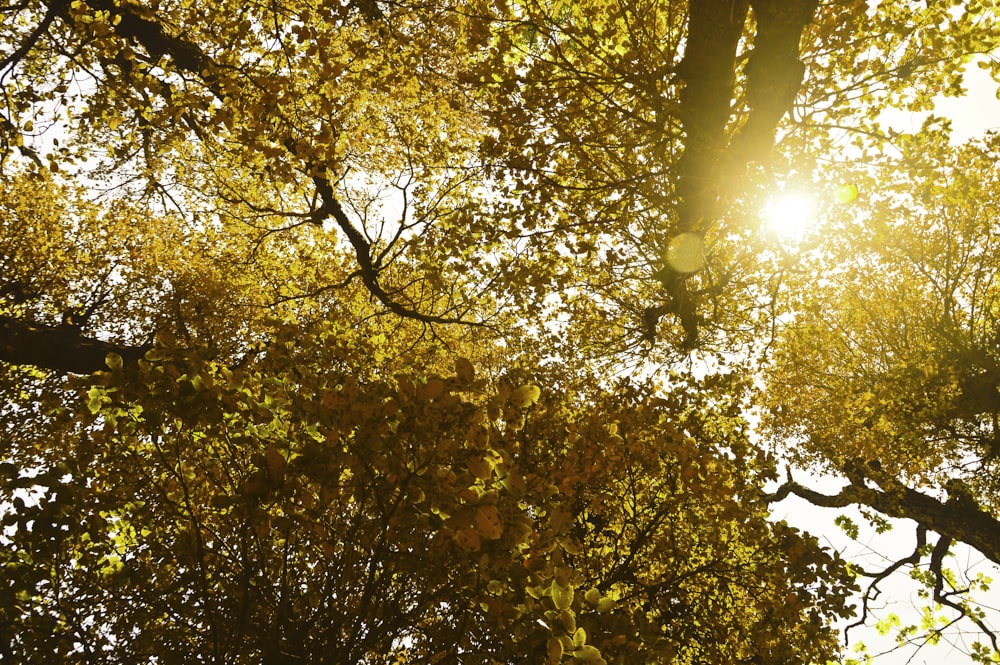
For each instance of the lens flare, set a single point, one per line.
(686, 252)
(846, 193)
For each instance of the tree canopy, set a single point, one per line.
(398, 332)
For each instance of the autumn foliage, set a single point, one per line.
(391, 332)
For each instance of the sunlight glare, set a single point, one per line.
(790, 215)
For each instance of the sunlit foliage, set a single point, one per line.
(391, 332)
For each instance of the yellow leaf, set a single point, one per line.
(606, 605)
(467, 539)
(113, 360)
(480, 467)
(587, 654)
(525, 396)
(431, 389)
(275, 463)
(488, 522)
(555, 651)
(568, 620)
(464, 370)
(562, 596)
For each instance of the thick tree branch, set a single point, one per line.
(774, 74)
(708, 71)
(58, 348)
(157, 42)
(958, 519)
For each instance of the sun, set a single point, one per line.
(790, 215)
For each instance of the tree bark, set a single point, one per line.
(708, 71)
(58, 348)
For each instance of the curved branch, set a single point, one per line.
(940, 596)
(872, 592)
(157, 42)
(958, 519)
(362, 250)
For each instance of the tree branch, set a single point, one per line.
(708, 71)
(774, 74)
(157, 42)
(362, 250)
(958, 519)
(872, 592)
(54, 9)
(940, 596)
(58, 348)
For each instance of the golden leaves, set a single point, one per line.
(275, 464)
(468, 539)
(562, 595)
(362, 456)
(488, 522)
(431, 390)
(525, 396)
(464, 370)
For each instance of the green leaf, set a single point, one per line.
(113, 360)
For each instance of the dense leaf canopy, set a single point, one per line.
(450, 332)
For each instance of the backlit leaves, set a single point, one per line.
(265, 220)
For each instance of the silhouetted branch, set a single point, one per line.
(958, 519)
(59, 348)
(872, 591)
